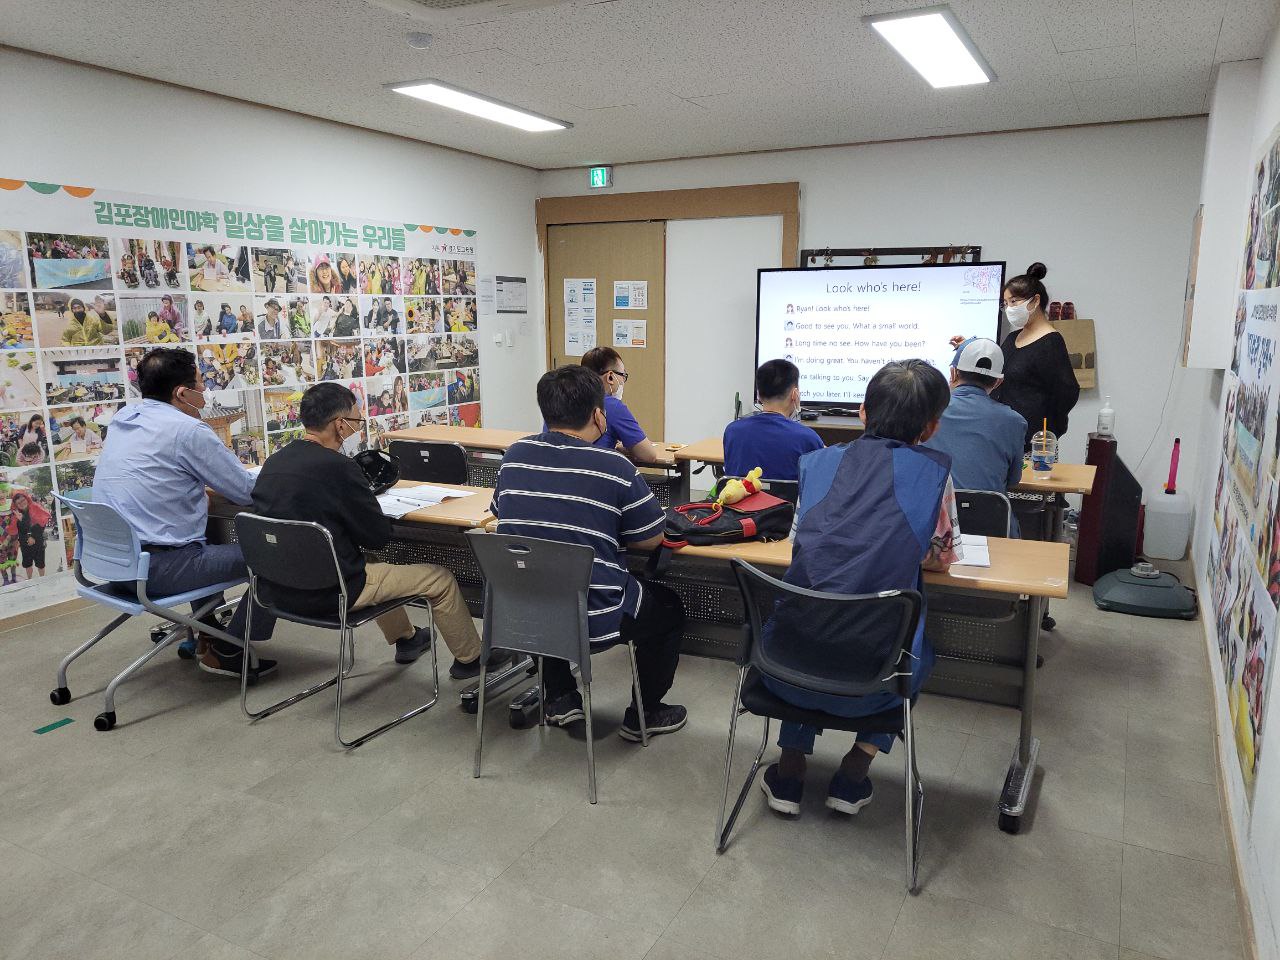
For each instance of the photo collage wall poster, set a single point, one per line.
(269, 301)
(1243, 557)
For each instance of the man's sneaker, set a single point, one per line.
(782, 793)
(847, 796)
(565, 709)
(467, 669)
(228, 661)
(187, 648)
(664, 718)
(412, 647)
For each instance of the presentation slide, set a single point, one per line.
(841, 325)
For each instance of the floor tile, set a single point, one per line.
(934, 927)
(1177, 908)
(509, 920)
(1176, 816)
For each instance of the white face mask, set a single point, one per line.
(621, 388)
(1017, 314)
(351, 445)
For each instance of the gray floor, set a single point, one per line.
(188, 833)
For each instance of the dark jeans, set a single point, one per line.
(197, 565)
(656, 631)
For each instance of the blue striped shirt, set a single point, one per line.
(558, 487)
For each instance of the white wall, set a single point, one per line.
(68, 124)
(711, 302)
(1108, 209)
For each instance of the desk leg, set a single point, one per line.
(1022, 768)
(684, 482)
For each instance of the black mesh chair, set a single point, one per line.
(301, 556)
(430, 461)
(983, 512)
(849, 646)
(535, 601)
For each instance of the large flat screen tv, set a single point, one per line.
(840, 325)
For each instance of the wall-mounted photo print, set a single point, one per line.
(338, 359)
(30, 540)
(384, 355)
(216, 268)
(270, 319)
(348, 270)
(24, 439)
(19, 380)
(382, 316)
(278, 270)
(431, 417)
(379, 427)
(322, 314)
(322, 274)
(17, 329)
(422, 277)
(283, 408)
(81, 376)
(380, 275)
(458, 277)
(69, 260)
(74, 476)
(288, 363)
(156, 319)
(388, 395)
(148, 264)
(13, 260)
(464, 386)
(459, 314)
(228, 366)
(276, 441)
(422, 315)
(78, 432)
(466, 415)
(456, 350)
(427, 390)
(235, 416)
(67, 319)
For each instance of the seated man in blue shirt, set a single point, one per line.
(872, 514)
(559, 485)
(158, 459)
(983, 436)
(771, 439)
(621, 427)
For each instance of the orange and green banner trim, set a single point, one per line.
(427, 228)
(46, 188)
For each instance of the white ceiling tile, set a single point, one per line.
(1087, 24)
(1100, 63)
(1246, 25)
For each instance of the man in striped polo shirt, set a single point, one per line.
(557, 486)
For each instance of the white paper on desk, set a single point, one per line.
(426, 495)
(396, 507)
(974, 551)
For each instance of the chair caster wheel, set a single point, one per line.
(60, 697)
(1009, 823)
(523, 719)
(470, 705)
(1048, 623)
(104, 721)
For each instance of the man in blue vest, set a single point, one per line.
(983, 436)
(871, 515)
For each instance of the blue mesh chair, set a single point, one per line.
(853, 646)
(111, 569)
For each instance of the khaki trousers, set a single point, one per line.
(390, 581)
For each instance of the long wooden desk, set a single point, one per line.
(485, 447)
(984, 622)
(1063, 478)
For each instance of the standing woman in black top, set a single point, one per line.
(1039, 382)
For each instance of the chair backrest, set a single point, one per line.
(983, 512)
(535, 596)
(849, 645)
(106, 546)
(430, 461)
(788, 490)
(295, 554)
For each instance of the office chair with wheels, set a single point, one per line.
(983, 512)
(299, 555)
(430, 461)
(109, 565)
(535, 601)
(853, 646)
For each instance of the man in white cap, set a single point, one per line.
(984, 437)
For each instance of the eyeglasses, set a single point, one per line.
(358, 421)
(621, 373)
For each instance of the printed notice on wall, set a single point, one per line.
(631, 294)
(630, 333)
(579, 315)
(512, 294)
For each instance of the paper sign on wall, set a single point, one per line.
(512, 294)
(631, 294)
(630, 333)
(579, 315)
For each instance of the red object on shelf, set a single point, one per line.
(1172, 485)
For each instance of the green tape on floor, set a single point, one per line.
(55, 725)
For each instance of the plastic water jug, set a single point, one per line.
(1168, 526)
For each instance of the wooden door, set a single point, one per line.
(605, 252)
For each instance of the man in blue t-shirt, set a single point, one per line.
(771, 439)
(983, 436)
(559, 485)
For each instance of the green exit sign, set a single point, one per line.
(601, 177)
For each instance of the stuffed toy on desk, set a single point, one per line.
(733, 489)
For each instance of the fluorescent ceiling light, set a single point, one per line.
(433, 91)
(935, 44)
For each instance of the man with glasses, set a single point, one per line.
(158, 459)
(621, 427)
(314, 479)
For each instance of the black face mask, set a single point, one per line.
(78, 314)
